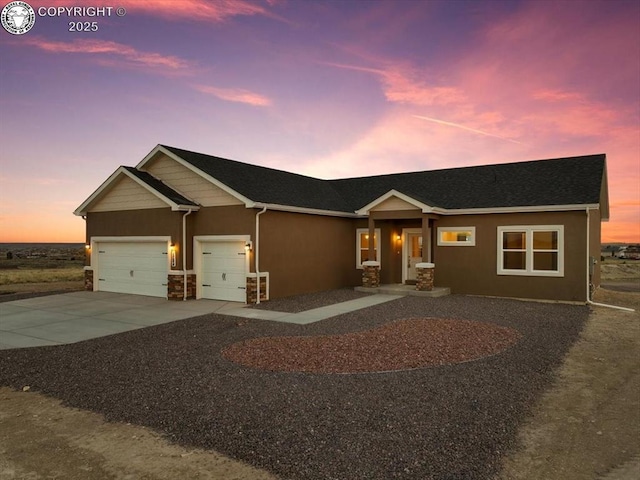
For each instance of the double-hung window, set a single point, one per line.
(362, 245)
(533, 250)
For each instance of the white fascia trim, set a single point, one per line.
(394, 193)
(310, 211)
(531, 209)
(159, 148)
(82, 209)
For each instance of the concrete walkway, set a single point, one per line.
(78, 316)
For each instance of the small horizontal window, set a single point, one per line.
(460, 236)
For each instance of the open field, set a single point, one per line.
(37, 269)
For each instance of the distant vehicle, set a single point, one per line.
(632, 252)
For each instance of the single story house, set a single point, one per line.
(188, 225)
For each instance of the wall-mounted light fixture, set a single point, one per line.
(172, 250)
(398, 237)
(248, 246)
(87, 247)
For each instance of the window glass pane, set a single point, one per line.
(455, 236)
(545, 240)
(364, 256)
(364, 240)
(515, 260)
(416, 246)
(514, 240)
(545, 261)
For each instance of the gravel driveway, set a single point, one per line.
(445, 422)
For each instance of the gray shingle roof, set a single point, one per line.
(562, 181)
(160, 187)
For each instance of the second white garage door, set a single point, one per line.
(139, 268)
(223, 271)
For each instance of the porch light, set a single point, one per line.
(398, 237)
(87, 247)
(248, 246)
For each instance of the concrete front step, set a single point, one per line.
(410, 290)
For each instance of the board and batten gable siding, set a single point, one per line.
(126, 194)
(189, 183)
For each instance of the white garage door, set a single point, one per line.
(139, 268)
(223, 275)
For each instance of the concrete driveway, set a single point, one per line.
(73, 317)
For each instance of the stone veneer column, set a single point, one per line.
(371, 274)
(252, 292)
(88, 279)
(425, 276)
(175, 286)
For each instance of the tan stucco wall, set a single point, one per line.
(151, 222)
(306, 253)
(473, 270)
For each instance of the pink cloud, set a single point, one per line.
(125, 54)
(235, 95)
(405, 86)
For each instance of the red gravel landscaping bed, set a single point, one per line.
(399, 345)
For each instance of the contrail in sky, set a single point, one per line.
(456, 125)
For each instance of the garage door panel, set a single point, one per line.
(223, 271)
(133, 267)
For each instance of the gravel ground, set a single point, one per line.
(443, 422)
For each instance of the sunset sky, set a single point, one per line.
(324, 88)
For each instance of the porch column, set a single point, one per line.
(425, 236)
(371, 256)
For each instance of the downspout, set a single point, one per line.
(184, 255)
(588, 268)
(257, 253)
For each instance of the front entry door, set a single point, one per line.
(412, 253)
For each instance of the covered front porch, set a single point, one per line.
(396, 249)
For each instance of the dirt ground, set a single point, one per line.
(585, 427)
(588, 425)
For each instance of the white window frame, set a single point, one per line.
(360, 231)
(445, 243)
(529, 250)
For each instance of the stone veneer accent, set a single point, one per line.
(252, 293)
(175, 286)
(371, 274)
(88, 279)
(425, 276)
